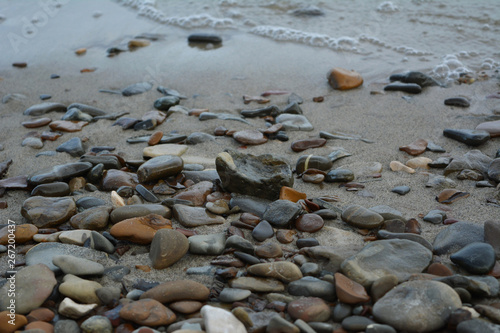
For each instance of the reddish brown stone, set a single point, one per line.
(415, 148)
(268, 250)
(67, 126)
(22, 234)
(113, 179)
(348, 291)
(288, 193)
(196, 112)
(318, 99)
(51, 136)
(413, 226)
(197, 193)
(3, 204)
(180, 290)
(5, 327)
(309, 223)
(41, 314)
(147, 312)
(273, 129)
(155, 138)
(140, 230)
(250, 219)
(40, 325)
(439, 269)
(301, 145)
(186, 307)
(250, 137)
(37, 122)
(220, 131)
(449, 196)
(77, 183)
(343, 79)
(309, 309)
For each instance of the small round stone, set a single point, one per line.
(309, 223)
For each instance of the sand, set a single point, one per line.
(216, 80)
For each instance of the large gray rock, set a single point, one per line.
(456, 236)
(46, 212)
(399, 257)
(417, 306)
(261, 176)
(33, 285)
(473, 160)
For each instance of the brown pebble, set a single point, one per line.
(309, 223)
(415, 148)
(301, 145)
(439, 269)
(343, 79)
(134, 43)
(230, 132)
(185, 307)
(273, 129)
(250, 137)
(449, 196)
(3, 204)
(413, 226)
(288, 193)
(318, 99)
(155, 138)
(250, 219)
(259, 99)
(40, 314)
(144, 268)
(232, 230)
(81, 51)
(450, 221)
(220, 131)
(196, 112)
(268, 250)
(349, 291)
(20, 64)
(88, 70)
(51, 136)
(37, 122)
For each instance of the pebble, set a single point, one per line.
(79, 289)
(415, 148)
(9, 326)
(164, 149)
(401, 190)
(477, 325)
(435, 216)
(339, 175)
(312, 162)
(204, 38)
(36, 283)
(384, 234)
(301, 145)
(32, 142)
(22, 234)
(89, 202)
(348, 291)
(476, 258)
(431, 300)
(492, 127)
(166, 102)
(261, 176)
(309, 309)
(491, 235)
(67, 126)
(449, 196)
(179, 290)
(400, 257)
(147, 312)
(473, 160)
(419, 78)
(306, 242)
(136, 88)
(467, 136)
(281, 213)
(76, 237)
(250, 137)
(36, 122)
(140, 230)
(101, 243)
(456, 236)
(230, 295)
(411, 88)
(43, 108)
(217, 320)
(431, 146)
(398, 166)
(77, 266)
(309, 286)
(361, 217)
(56, 189)
(139, 210)
(356, 323)
(281, 325)
(494, 170)
(168, 247)
(76, 114)
(419, 162)
(263, 231)
(60, 173)
(114, 179)
(268, 250)
(195, 216)
(457, 101)
(71, 309)
(46, 212)
(343, 79)
(197, 193)
(382, 285)
(294, 122)
(257, 284)
(282, 270)
(148, 124)
(126, 122)
(99, 324)
(309, 223)
(73, 146)
(146, 194)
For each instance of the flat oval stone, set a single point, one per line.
(457, 101)
(384, 234)
(301, 145)
(146, 194)
(130, 211)
(309, 309)
(140, 230)
(401, 190)
(309, 223)
(179, 290)
(43, 108)
(456, 236)
(57, 189)
(67, 126)
(343, 79)
(23, 233)
(77, 266)
(431, 300)
(294, 122)
(257, 284)
(467, 136)
(282, 270)
(164, 103)
(476, 258)
(89, 202)
(168, 247)
(361, 217)
(312, 287)
(204, 38)
(148, 312)
(492, 127)
(339, 175)
(95, 218)
(411, 88)
(419, 78)
(60, 172)
(197, 193)
(268, 250)
(250, 137)
(312, 162)
(37, 122)
(164, 149)
(195, 216)
(114, 179)
(230, 295)
(46, 212)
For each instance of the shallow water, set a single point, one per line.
(443, 38)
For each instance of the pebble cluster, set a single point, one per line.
(268, 272)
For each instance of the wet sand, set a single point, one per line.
(216, 80)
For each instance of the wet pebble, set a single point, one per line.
(401, 190)
(309, 223)
(457, 101)
(343, 79)
(467, 136)
(361, 217)
(37, 122)
(476, 258)
(73, 146)
(339, 175)
(165, 103)
(167, 247)
(456, 236)
(301, 145)
(410, 88)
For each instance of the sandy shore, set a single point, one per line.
(216, 80)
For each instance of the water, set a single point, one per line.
(442, 38)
